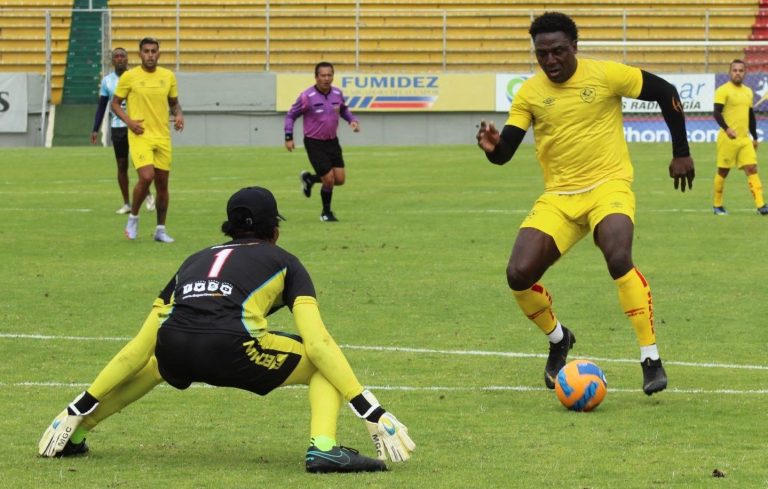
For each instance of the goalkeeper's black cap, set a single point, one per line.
(252, 205)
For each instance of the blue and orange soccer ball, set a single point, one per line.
(581, 385)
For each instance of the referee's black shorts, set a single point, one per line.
(324, 154)
(225, 359)
(120, 141)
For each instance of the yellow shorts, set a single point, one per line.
(737, 152)
(569, 217)
(146, 151)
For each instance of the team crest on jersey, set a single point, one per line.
(549, 101)
(588, 94)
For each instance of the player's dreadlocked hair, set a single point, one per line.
(554, 22)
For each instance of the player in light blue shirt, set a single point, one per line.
(118, 129)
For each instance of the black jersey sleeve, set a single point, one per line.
(511, 137)
(297, 282)
(167, 292)
(100, 110)
(659, 90)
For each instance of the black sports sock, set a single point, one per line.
(326, 195)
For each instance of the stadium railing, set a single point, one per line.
(252, 35)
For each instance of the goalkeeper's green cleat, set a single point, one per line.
(558, 354)
(340, 459)
(73, 449)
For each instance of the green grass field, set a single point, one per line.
(411, 283)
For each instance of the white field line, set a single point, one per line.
(429, 388)
(423, 351)
(402, 349)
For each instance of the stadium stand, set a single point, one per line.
(408, 36)
(22, 38)
(388, 35)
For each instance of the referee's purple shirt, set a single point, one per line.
(321, 113)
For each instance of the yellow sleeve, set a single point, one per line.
(123, 85)
(624, 80)
(721, 95)
(520, 112)
(131, 358)
(174, 90)
(321, 348)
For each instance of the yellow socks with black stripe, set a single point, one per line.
(637, 304)
(536, 304)
(719, 188)
(756, 187)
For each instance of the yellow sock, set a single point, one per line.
(719, 188)
(756, 187)
(536, 303)
(325, 403)
(637, 303)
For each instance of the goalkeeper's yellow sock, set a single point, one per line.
(756, 187)
(78, 436)
(323, 443)
(637, 303)
(536, 304)
(719, 188)
(325, 403)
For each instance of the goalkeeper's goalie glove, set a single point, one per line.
(389, 436)
(63, 426)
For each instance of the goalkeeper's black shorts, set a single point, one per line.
(225, 359)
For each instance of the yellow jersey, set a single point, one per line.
(736, 100)
(577, 124)
(146, 96)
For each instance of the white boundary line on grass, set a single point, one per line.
(430, 388)
(417, 350)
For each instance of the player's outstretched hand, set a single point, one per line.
(487, 136)
(393, 435)
(682, 171)
(389, 436)
(62, 427)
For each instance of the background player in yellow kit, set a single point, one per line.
(152, 94)
(735, 148)
(574, 107)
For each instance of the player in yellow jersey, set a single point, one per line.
(152, 94)
(209, 324)
(575, 109)
(735, 148)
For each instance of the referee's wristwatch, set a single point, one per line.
(289, 137)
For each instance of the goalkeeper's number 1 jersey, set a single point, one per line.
(233, 287)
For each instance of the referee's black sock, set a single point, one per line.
(326, 195)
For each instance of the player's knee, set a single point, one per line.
(520, 277)
(619, 263)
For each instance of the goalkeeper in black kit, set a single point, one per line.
(209, 325)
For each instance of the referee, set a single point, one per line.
(321, 105)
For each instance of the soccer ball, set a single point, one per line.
(581, 385)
